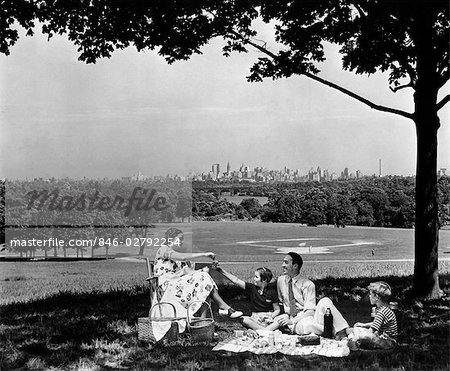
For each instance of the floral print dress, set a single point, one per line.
(179, 285)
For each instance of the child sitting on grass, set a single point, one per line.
(382, 332)
(262, 294)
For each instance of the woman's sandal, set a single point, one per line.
(230, 312)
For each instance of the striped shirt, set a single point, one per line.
(385, 322)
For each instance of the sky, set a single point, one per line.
(134, 112)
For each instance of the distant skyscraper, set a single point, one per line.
(228, 167)
(244, 168)
(345, 173)
(138, 176)
(379, 168)
(216, 169)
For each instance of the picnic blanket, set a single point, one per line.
(285, 344)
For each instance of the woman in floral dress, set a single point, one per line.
(179, 284)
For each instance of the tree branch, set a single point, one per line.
(333, 85)
(359, 98)
(443, 102)
(444, 77)
(400, 87)
(360, 11)
(442, 66)
(411, 72)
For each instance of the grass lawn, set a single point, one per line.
(96, 331)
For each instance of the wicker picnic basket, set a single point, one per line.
(145, 324)
(201, 328)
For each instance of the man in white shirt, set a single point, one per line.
(298, 296)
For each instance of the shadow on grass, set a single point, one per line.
(63, 327)
(97, 330)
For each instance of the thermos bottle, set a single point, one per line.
(328, 324)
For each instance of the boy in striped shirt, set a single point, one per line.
(382, 332)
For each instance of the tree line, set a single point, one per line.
(381, 202)
(83, 209)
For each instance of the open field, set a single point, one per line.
(256, 241)
(265, 242)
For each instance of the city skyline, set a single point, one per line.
(215, 168)
(265, 175)
(60, 117)
(345, 173)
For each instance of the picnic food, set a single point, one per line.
(309, 340)
(244, 340)
(260, 343)
(251, 334)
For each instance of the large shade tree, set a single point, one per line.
(409, 40)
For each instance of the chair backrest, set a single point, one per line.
(153, 282)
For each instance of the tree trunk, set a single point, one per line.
(426, 276)
(426, 279)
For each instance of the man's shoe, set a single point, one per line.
(230, 312)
